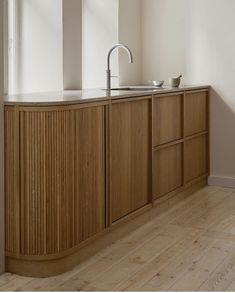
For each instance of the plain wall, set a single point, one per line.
(196, 38)
(130, 27)
(2, 235)
(99, 34)
(164, 37)
(40, 46)
(72, 44)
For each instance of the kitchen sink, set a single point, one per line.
(137, 88)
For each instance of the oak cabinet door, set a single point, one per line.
(130, 157)
(167, 119)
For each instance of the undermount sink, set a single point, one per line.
(137, 88)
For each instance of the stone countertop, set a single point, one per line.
(88, 95)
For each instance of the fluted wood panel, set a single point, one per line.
(11, 208)
(62, 179)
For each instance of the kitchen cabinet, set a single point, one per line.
(130, 156)
(167, 170)
(56, 198)
(180, 141)
(167, 119)
(76, 171)
(196, 112)
(196, 157)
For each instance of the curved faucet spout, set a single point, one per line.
(108, 71)
(126, 48)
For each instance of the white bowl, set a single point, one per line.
(158, 83)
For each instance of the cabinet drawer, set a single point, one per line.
(167, 170)
(196, 117)
(196, 158)
(167, 119)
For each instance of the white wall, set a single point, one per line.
(99, 34)
(130, 26)
(2, 238)
(72, 44)
(164, 35)
(40, 60)
(197, 38)
(67, 41)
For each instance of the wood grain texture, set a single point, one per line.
(62, 179)
(11, 194)
(167, 119)
(196, 163)
(95, 247)
(167, 170)
(196, 112)
(190, 247)
(130, 157)
(77, 172)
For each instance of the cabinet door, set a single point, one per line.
(196, 159)
(167, 170)
(196, 116)
(130, 157)
(167, 119)
(62, 178)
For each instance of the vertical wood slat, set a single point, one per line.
(11, 213)
(62, 179)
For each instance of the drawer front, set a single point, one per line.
(167, 119)
(196, 159)
(196, 117)
(167, 170)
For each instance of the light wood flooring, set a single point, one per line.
(191, 247)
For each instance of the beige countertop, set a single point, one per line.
(87, 96)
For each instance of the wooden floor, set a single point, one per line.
(191, 247)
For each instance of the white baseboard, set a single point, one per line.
(221, 181)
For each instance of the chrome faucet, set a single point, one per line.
(108, 71)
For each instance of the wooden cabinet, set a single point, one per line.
(167, 145)
(196, 133)
(74, 171)
(167, 170)
(167, 119)
(180, 141)
(196, 157)
(196, 112)
(130, 157)
(59, 182)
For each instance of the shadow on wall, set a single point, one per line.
(222, 124)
